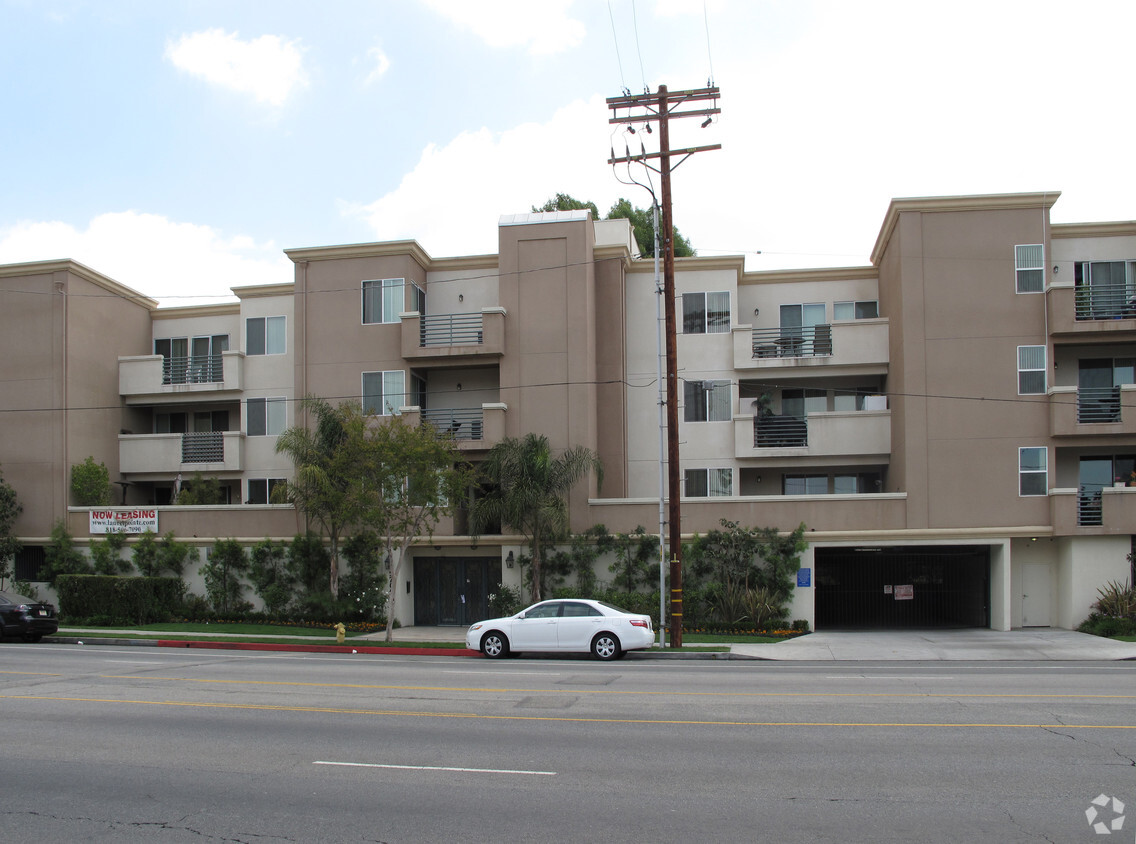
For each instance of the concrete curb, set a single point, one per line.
(394, 650)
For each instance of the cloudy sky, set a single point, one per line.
(179, 146)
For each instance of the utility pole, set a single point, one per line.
(661, 108)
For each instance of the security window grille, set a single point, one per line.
(1029, 263)
(706, 401)
(265, 417)
(384, 392)
(1033, 473)
(708, 483)
(383, 300)
(1031, 370)
(260, 489)
(706, 313)
(265, 335)
(869, 309)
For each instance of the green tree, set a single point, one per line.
(334, 483)
(201, 491)
(90, 484)
(422, 476)
(225, 564)
(526, 490)
(564, 202)
(270, 576)
(642, 223)
(308, 561)
(362, 587)
(636, 559)
(173, 556)
(106, 555)
(61, 556)
(144, 554)
(10, 508)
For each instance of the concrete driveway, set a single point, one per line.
(1032, 644)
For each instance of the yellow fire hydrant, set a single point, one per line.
(340, 633)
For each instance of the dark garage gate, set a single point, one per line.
(902, 587)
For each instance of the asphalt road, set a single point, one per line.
(107, 744)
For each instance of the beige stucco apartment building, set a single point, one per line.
(953, 424)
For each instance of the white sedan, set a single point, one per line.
(575, 625)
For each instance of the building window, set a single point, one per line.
(1031, 370)
(383, 300)
(1033, 473)
(266, 417)
(706, 401)
(706, 313)
(868, 309)
(1029, 263)
(30, 564)
(384, 392)
(805, 484)
(260, 489)
(708, 483)
(265, 336)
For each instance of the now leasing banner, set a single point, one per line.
(124, 521)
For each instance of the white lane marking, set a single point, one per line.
(438, 768)
(134, 662)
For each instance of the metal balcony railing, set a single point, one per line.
(780, 432)
(450, 330)
(1098, 404)
(1089, 510)
(203, 447)
(194, 369)
(463, 424)
(792, 342)
(1116, 300)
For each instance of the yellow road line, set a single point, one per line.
(323, 710)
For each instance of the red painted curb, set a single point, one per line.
(317, 649)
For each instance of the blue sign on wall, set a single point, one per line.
(804, 577)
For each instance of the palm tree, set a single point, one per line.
(527, 489)
(330, 483)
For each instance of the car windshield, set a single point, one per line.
(606, 605)
(13, 598)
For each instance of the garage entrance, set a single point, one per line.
(903, 587)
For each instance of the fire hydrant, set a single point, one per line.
(340, 633)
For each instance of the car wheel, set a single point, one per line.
(494, 645)
(605, 646)
(32, 637)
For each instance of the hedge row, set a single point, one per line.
(103, 599)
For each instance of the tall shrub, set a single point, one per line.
(225, 564)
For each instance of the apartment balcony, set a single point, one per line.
(449, 339)
(474, 429)
(167, 454)
(149, 379)
(1094, 412)
(877, 512)
(1111, 510)
(846, 435)
(1101, 313)
(853, 347)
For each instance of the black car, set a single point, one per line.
(28, 619)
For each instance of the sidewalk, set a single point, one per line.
(837, 646)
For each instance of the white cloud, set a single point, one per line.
(176, 263)
(269, 67)
(450, 202)
(543, 26)
(380, 64)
